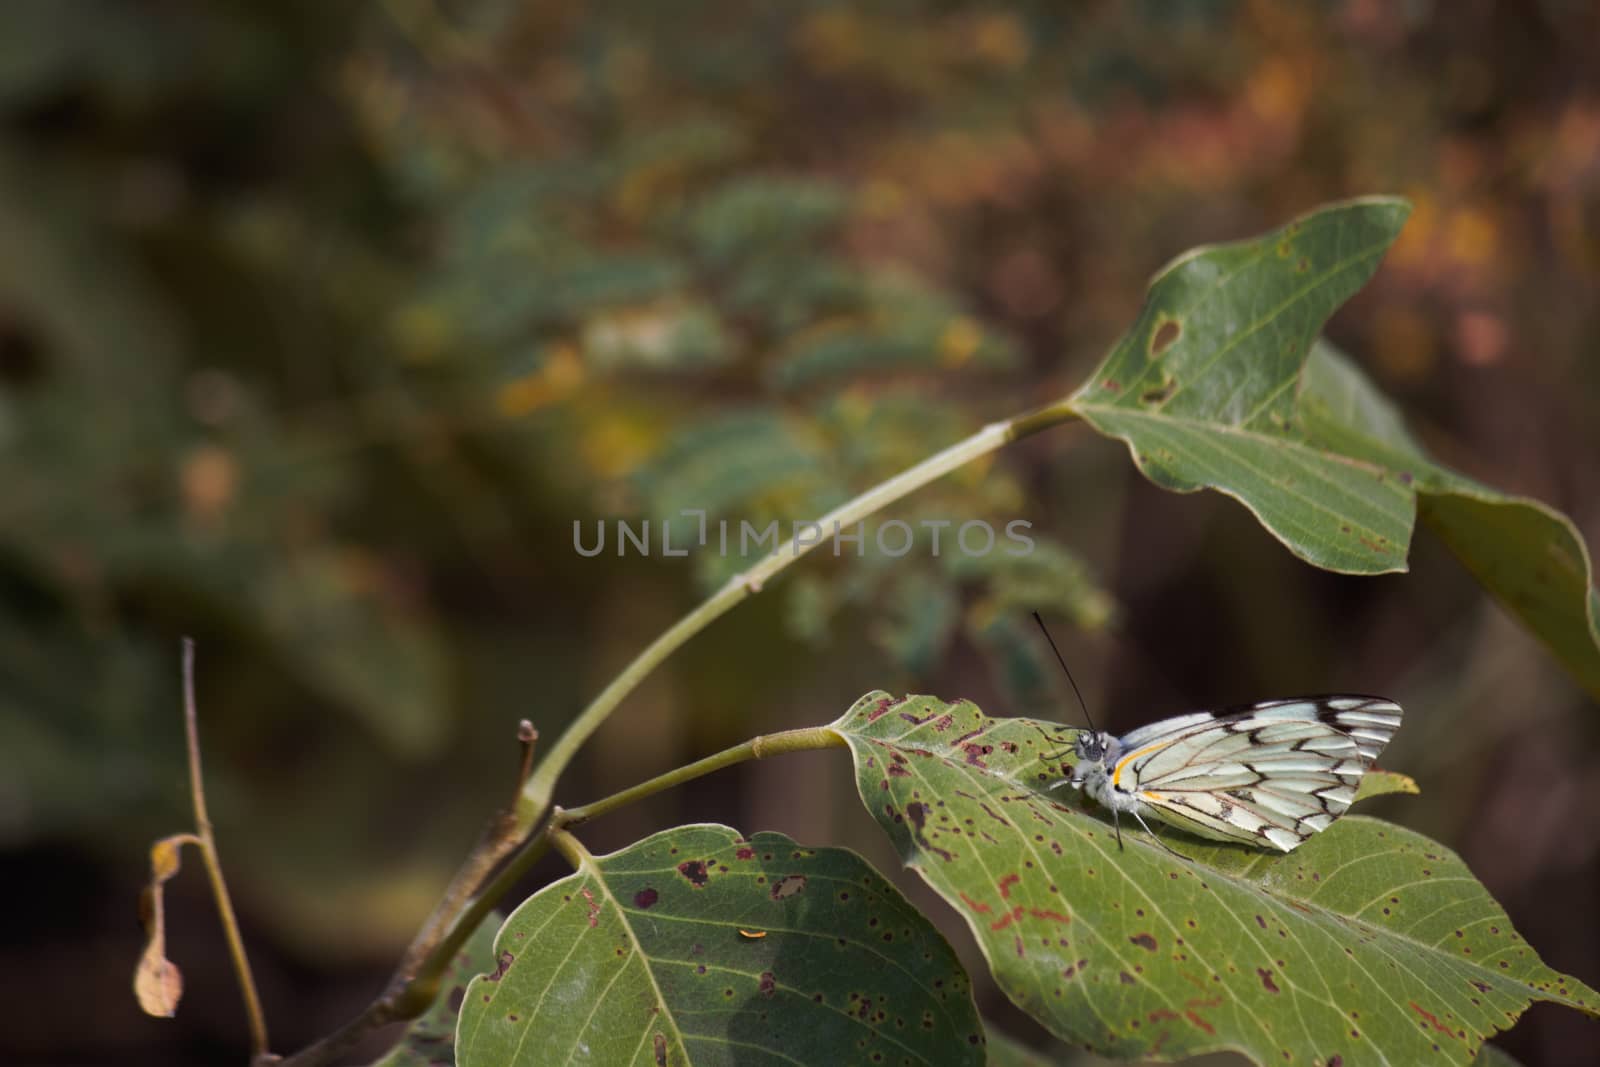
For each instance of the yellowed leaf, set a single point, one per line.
(157, 982)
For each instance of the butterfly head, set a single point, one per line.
(1095, 746)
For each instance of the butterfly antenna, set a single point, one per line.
(1059, 659)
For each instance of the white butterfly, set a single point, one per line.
(1275, 772)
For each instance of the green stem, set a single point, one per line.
(814, 737)
(541, 786)
(571, 849)
(459, 913)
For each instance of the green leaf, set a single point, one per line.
(430, 1040)
(1530, 556)
(1368, 942)
(1218, 385)
(696, 946)
(1202, 388)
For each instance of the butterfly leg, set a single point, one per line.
(1116, 821)
(1158, 840)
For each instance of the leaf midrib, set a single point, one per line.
(592, 870)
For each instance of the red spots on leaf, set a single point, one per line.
(975, 754)
(882, 707)
(1053, 916)
(1007, 919)
(645, 897)
(1482, 987)
(1336, 1060)
(1111, 385)
(1074, 968)
(1125, 978)
(594, 908)
(659, 1043)
(1191, 1013)
(914, 720)
(1005, 884)
(993, 815)
(502, 963)
(1266, 980)
(768, 985)
(977, 908)
(1144, 941)
(944, 722)
(695, 872)
(1433, 1020)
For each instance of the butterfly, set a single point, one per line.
(1272, 773)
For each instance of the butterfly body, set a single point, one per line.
(1269, 774)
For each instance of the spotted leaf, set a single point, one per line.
(1369, 944)
(697, 946)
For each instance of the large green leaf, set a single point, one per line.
(696, 946)
(1367, 944)
(1528, 555)
(430, 1040)
(1202, 387)
(1219, 385)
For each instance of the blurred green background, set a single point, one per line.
(321, 324)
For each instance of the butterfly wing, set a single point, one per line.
(1275, 772)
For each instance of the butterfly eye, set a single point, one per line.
(1089, 746)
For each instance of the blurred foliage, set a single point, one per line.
(321, 324)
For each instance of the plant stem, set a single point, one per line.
(207, 842)
(571, 849)
(541, 786)
(416, 979)
(814, 737)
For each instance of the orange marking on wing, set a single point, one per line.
(1116, 771)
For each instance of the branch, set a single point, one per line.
(458, 913)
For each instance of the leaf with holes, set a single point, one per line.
(1202, 387)
(696, 946)
(430, 1040)
(1530, 556)
(1368, 944)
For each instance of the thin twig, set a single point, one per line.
(208, 852)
